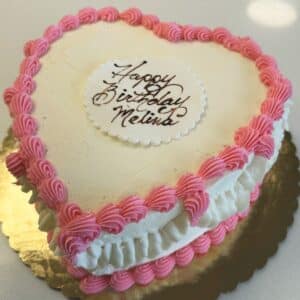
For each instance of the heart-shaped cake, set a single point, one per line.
(143, 142)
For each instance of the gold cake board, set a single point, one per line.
(235, 260)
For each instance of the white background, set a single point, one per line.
(21, 20)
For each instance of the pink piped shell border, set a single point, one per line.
(31, 161)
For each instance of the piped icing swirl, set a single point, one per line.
(149, 21)
(108, 14)
(203, 34)
(25, 83)
(8, 94)
(163, 266)
(87, 15)
(53, 33)
(94, 284)
(265, 61)
(220, 34)
(14, 164)
(269, 76)
(40, 170)
(20, 103)
(234, 157)
(246, 137)
(31, 147)
(69, 22)
(184, 256)
(280, 91)
(23, 125)
(121, 281)
(188, 185)
(30, 66)
(272, 108)
(189, 32)
(132, 209)
(143, 274)
(132, 16)
(262, 123)
(250, 49)
(211, 168)
(67, 213)
(265, 146)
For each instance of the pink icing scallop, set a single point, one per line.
(232, 43)
(162, 267)
(87, 15)
(69, 22)
(25, 84)
(30, 66)
(110, 219)
(211, 168)
(20, 103)
(203, 34)
(202, 244)
(70, 245)
(94, 284)
(67, 213)
(250, 49)
(234, 157)
(148, 21)
(281, 91)
(220, 34)
(161, 199)
(189, 185)
(262, 123)
(246, 137)
(196, 206)
(274, 109)
(108, 14)
(269, 76)
(24, 124)
(132, 16)
(132, 209)
(39, 170)
(173, 32)
(31, 148)
(184, 256)
(265, 61)
(53, 33)
(27, 48)
(255, 193)
(52, 192)
(143, 274)
(265, 146)
(8, 94)
(121, 281)
(189, 32)
(160, 29)
(230, 223)
(40, 47)
(217, 234)
(15, 165)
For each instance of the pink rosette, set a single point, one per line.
(262, 123)
(110, 219)
(53, 33)
(87, 15)
(162, 267)
(23, 125)
(15, 165)
(255, 193)
(203, 34)
(265, 61)
(234, 157)
(173, 32)
(94, 284)
(265, 146)
(184, 256)
(132, 209)
(52, 192)
(20, 103)
(220, 34)
(269, 76)
(27, 48)
(250, 49)
(211, 168)
(121, 281)
(281, 91)
(273, 108)
(8, 94)
(232, 43)
(189, 185)
(39, 170)
(217, 234)
(67, 213)
(161, 199)
(246, 137)
(25, 83)
(30, 66)
(31, 148)
(40, 47)
(189, 32)
(230, 223)
(160, 29)
(202, 244)
(143, 274)
(69, 22)
(132, 16)
(148, 21)
(70, 245)
(108, 14)
(196, 206)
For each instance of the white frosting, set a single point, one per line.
(98, 168)
(159, 234)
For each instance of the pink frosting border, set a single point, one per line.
(79, 228)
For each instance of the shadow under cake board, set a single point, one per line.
(235, 260)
